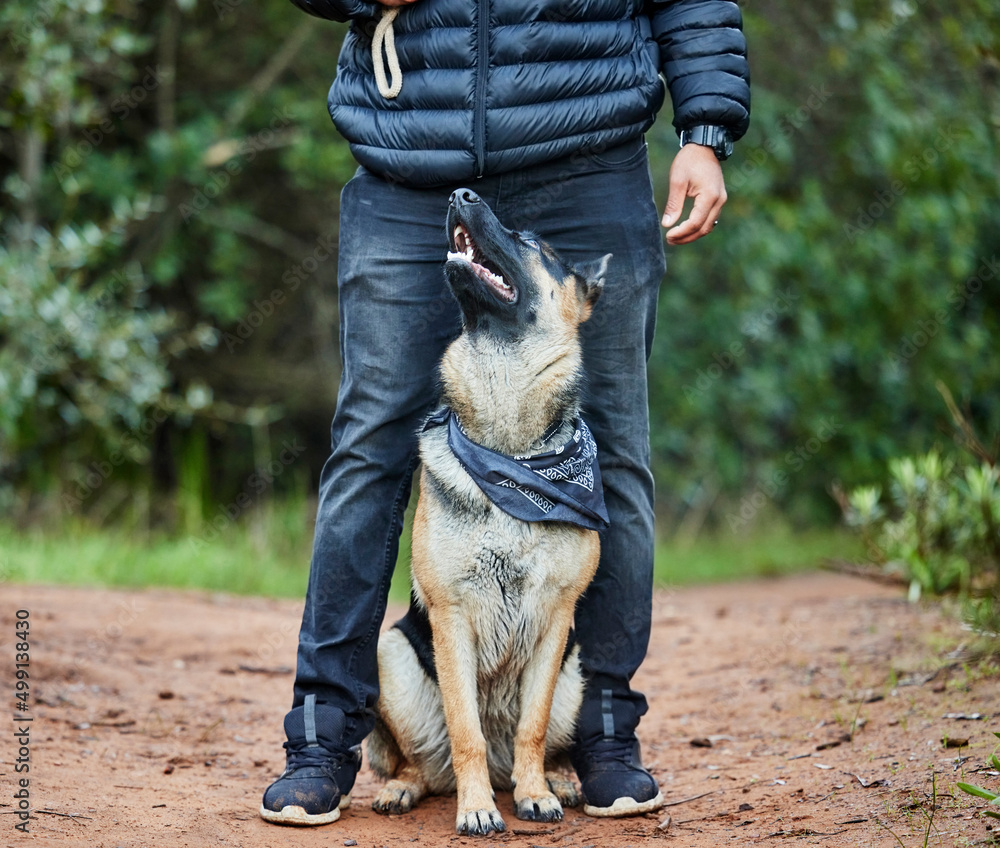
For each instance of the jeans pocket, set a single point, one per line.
(622, 156)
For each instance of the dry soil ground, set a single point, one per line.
(157, 721)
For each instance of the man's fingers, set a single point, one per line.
(699, 223)
(695, 172)
(675, 201)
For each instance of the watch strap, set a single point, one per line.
(716, 137)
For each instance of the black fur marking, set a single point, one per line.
(460, 506)
(416, 627)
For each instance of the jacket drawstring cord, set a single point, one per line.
(384, 35)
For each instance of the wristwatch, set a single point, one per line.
(718, 138)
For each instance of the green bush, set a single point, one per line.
(854, 265)
(938, 528)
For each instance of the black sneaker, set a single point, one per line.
(613, 780)
(319, 775)
(315, 786)
(606, 752)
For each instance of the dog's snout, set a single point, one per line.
(463, 196)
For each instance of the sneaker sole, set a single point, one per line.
(299, 817)
(625, 807)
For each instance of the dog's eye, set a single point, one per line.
(530, 242)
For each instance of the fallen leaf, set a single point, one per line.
(833, 743)
(867, 784)
(869, 696)
(256, 669)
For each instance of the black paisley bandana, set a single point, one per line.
(559, 485)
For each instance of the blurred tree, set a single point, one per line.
(158, 202)
(169, 220)
(856, 263)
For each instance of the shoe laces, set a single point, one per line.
(304, 755)
(611, 750)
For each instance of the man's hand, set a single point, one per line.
(696, 173)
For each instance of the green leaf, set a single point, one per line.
(978, 791)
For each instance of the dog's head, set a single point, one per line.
(508, 283)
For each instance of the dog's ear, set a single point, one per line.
(590, 282)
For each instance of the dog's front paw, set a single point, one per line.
(480, 823)
(396, 797)
(544, 808)
(563, 789)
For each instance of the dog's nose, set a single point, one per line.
(462, 196)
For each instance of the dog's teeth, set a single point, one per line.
(499, 279)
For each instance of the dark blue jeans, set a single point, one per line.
(396, 318)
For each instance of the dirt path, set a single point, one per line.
(157, 721)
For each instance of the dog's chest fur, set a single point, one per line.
(506, 575)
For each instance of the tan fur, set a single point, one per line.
(499, 592)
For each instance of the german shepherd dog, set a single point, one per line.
(481, 683)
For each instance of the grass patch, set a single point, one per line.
(267, 552)
(770, 551)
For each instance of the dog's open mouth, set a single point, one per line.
(466, 250)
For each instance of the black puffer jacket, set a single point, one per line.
(493, 85)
